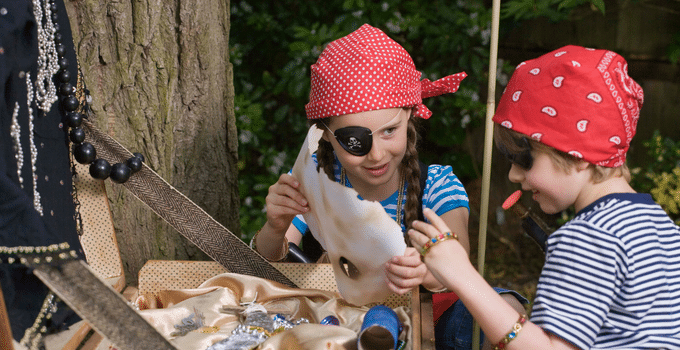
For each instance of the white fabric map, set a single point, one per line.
(351, 230)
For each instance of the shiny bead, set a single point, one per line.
(134, 163)
(85, 153)
(63, 63)
(100, 169)
(64, 76)
(70, 103)
(330, 320)
(120, 173)
(54, 17)
(57, 37)
(74, 120)
(54, 8)
(139, 155)
(77, 135)
(66, 89)
(55, 26)
(61, 50)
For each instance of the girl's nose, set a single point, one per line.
(377, 150)
(516, 173)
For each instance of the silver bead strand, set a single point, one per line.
(34, 150)
(15, 132)
(46, 92)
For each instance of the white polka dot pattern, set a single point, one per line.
(366, 70)
(577, 100)
(99, 237)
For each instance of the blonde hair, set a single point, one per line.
(511, 142)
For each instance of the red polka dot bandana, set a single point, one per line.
(365, 71)
(580, 101)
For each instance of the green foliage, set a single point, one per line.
(660, 176)
(666, 192)
(555, 10)
(274, 43)
(674, 49)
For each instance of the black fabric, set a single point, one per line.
(20, 223)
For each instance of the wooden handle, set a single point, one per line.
(5, 330)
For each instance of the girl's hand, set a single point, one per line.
(405, 272)
(443, 255)
(284, 202)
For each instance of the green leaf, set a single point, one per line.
(599, 4)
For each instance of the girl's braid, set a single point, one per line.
(324, 154)
(411, 172)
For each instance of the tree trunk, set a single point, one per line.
(161, 83)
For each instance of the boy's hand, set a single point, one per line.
(405, 272)
(443, 255)
(284, 201)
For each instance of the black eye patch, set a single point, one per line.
(356, 140)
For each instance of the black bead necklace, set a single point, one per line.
(84, 152)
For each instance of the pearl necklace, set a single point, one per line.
(45, 93)
(34, 150)
(15, 132)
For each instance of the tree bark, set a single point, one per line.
(161, 82)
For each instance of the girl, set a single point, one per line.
(366, 94)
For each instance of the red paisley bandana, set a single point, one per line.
(365, 71)
(577, 100)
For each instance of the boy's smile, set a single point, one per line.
(552, 188)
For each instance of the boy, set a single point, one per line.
(612, 274)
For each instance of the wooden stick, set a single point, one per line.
(488, 148)
(5, 329)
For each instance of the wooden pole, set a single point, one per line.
(5, 329)
(488, 148)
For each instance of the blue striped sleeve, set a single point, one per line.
(443, 190)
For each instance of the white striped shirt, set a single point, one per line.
(443, 192)
(611, 279)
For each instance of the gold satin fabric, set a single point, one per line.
(168, 308)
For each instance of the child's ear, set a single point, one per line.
(325, 136)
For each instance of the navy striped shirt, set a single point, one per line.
(443, 192)
(612, 277)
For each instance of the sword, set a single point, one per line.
(98, 303)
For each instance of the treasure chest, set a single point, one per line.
(157, 277)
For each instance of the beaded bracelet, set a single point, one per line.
(516, 328)
(253, 245)
(442, 237)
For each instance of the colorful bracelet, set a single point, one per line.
(516, 328)
(431, 243)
